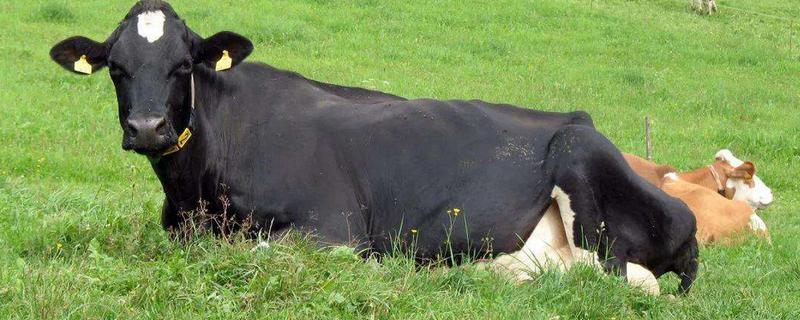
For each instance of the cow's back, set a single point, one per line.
(650, 171)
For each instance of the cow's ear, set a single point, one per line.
(745, 171)
(80, 55)
(223, 50)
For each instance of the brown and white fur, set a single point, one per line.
(733, 178)
(704, 6)
(730, 177)
(718, 218)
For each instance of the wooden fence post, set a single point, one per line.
(648, 138)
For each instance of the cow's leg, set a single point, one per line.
(611, 215)
(598, 252)
(588, 246)
(568, 216)
(757, 224)
(759, 227)
(635, 274)
(171, 221)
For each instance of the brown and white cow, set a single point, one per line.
(718, 218)
(730, 177)
(733, 178)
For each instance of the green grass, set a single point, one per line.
(79, 218)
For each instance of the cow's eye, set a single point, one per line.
(184, 67)
(117, 70)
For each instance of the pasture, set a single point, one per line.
(80, 236)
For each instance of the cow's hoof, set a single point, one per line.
(757, 224)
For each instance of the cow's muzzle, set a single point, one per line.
(147, 135)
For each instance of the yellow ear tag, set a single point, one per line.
(83, 66)
(225, 62)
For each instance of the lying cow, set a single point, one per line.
(728, 176)
(704, 6)
(358, 166)
(718, 218)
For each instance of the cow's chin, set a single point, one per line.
(151, 149)
(758, 205)
(150, 152)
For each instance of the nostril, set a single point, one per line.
(147, 128)
(161, 126)
(133, 127)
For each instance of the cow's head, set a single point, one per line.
(742, 180)
(152, 56)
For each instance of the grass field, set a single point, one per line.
(79, 218)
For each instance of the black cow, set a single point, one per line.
(359, 166)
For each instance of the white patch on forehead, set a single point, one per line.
(727, 156)
(151, 25)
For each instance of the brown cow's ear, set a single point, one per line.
(746, 171)
(80, 55)
(223, 50)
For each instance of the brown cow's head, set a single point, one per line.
(739, 178)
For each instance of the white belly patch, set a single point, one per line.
(151, 25)
(551, 245)
(546, 247)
